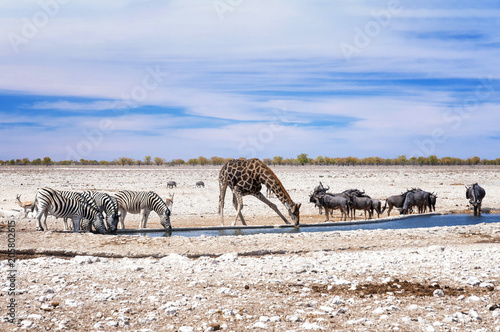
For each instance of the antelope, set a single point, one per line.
(170, 201)
(25, 205)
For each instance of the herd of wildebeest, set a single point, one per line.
(413, 200)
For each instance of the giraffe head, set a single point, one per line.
(293, 211)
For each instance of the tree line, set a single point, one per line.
(302, 159)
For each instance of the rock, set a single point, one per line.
(186, 329)
(438, 293)
(488, 285)
(71, 303)
(260, 325)
(98, 326)
(293, 319)
(475, 315)
(264, 319)
(473, 281)
(311, 326)
(26, 323)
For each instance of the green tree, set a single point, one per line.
(433, 160)
(217, 160)
(193, 162)
(402, 160)
(319, 160)
(159, 161)
(303, 159)
(178, 162)
(37, 161)
(147, 160)
(202, 160)
(277, 160)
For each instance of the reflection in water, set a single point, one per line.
(417, 222)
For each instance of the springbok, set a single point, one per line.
(25, 205)
(170, 201)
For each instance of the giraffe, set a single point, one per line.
(246, 177)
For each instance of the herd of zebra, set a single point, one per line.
(351, 200)
(85, 209)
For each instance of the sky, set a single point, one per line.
(100, 80)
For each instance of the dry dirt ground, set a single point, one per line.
(434, 279)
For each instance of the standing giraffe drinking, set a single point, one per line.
(246, 177)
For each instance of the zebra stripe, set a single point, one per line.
(79, 197)
(107, 204)
(50, 201)
(142, 202)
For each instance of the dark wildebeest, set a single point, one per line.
(475, 194)
(432, 199)
(409, 202)
(377, 206)
(433, 202)
(200, 184)
(360, 203)
(319, 190)
(396, 201)
(422, 199)
(331, 202)
(171, 184)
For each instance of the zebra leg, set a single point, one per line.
(122, 218)
(144, 219)
(41, 211)
(76, 223)
(46, 214)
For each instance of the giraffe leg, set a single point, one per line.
(222, 197)
(236, 205)
(271, 205)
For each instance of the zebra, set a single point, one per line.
(79, 197)
(50, 201)
(105, 203)
(142, 202)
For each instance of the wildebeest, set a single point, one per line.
(360, 203)
(409, 202)
(433, 198)
(422, 199)
(200, 184)
(331, 202)
(396, 201)
(171, 184)
(377, 206)
(416, 197)
(475, 194)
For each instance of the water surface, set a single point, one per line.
(414, 222)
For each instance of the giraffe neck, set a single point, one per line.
(270, 180)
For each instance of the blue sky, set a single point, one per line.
(251, 78)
